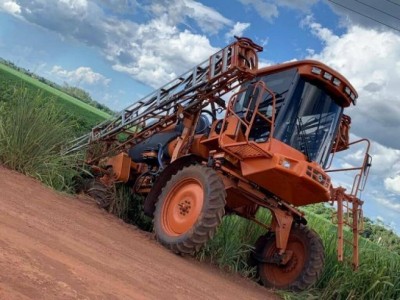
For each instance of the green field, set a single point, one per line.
(85, 115)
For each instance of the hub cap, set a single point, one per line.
(182, 206)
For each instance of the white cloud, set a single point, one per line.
(269, 9)
(324, 34)
(207, 18)
(152, 52)
(80, 75)
(10, 6)
(370, 59)
(392, 205)
(393, 184)
(386, 160)
(303, 5)
(237, 30)
(123, 7)
(178, 11)
(156, 63)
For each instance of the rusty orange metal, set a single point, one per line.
(121, 165)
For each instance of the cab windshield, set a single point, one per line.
(309, 121)
(306, 117)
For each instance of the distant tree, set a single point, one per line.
(77, 93)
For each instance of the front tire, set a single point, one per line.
(189, 209)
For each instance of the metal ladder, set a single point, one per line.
(349, 207)
(208, 81)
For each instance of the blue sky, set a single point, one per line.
(119, 50)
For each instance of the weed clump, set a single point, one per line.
(32, 131)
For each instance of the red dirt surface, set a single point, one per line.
(55, 246)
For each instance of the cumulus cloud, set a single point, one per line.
(303, 5)
(179, 11)
(393, 184)
(370, 59)
(121, 7)
(392, 205)
(165, 61)
(369, 15)
(10, 6)
(237, 30)
(152, 52)
(80, 75)
(207, 18)
(269, 9)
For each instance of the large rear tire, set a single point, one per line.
(189, 209)
(304, 267)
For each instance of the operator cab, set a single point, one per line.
(308, 108)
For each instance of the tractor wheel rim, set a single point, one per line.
(283, 275)
(182, 207)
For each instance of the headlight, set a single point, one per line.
(286, 164)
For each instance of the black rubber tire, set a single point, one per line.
(258, 248)
(102, 194)
(212, 211)
(311, 261)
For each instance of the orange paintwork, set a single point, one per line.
(304, 68)
(290, 184)
(198, 148)
(343, 136)
(182, 207)
(121, 166)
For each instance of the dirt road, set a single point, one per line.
(60, 247)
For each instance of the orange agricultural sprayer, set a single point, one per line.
(195, 157)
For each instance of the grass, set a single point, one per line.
(83, 114)
(377, 278)
(129, 208)
(32, 130)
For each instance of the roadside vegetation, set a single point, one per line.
(33, 127)
(377, 278)
(32, 131)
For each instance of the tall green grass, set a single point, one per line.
(129, 207)
(32, 130)
(377, 278)
(232, 244)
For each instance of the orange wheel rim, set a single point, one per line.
(283, 275)
(182, 207)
